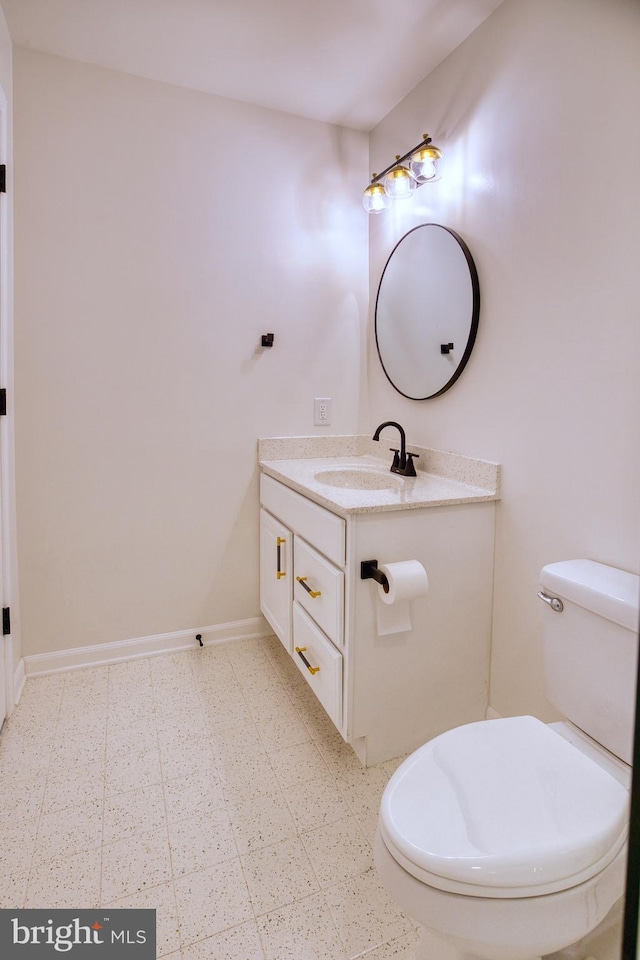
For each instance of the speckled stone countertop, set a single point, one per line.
(442, 478)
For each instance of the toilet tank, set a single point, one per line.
(591, 649)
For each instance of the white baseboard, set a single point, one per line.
(19, 680)
(101, 654)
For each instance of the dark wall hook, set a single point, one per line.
(267, 339)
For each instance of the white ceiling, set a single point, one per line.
(341, 61)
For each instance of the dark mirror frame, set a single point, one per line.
(475, 311)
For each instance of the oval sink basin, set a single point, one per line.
(358, 478)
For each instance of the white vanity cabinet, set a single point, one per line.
(302, 586)
(386, 693)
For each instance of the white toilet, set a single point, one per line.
(506, 839)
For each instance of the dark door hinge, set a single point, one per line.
(3, 402)
(6, 621)
(3, 178)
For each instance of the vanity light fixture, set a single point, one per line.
(397, 181)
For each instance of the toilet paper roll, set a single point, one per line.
(407, 580)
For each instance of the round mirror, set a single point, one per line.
(427, 311)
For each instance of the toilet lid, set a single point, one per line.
(503, 808)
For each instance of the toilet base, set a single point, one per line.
(465, 927)
(430, 947)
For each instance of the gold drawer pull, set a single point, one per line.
(312, 593)
(279, 573)
(301, 651)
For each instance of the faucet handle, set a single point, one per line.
(410, 469)
(396, 458)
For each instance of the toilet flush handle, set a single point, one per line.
(554, 602)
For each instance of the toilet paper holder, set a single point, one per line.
(369, 571)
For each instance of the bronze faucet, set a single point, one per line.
(402, 461)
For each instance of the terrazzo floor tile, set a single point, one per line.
(86, 676)
(182, 758)
(210, 662)
(216, 699)
(298, 764)
(13, 890)
(122, 719)
(170, 667)
(21, 765)
(338, 851)
(364, 914)
(127, 743)
(166, 710)
(363, 787)
(23, 797)
(78, 701)
(321, 729)
(67, 787)
(273, 704)
(277, 733)
(133, 770)
(238, 715)
(278, 875)
(316, 803)
(236, 943)
(72, 830)
(69, 882)
(162, 899)
(135, 863)
(201, 842)
(196, 795)
(211, 900)
(42, 695)
(301, 931)
(287, 671)
(17, 842)
(262, 821)
(257, 675)
(230, 743)
(168, 764)
(367, 817)
(245, 779)
(27, 736)
(137, 811)
(242, 653)
(402, 949)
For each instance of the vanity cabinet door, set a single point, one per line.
(276, 575)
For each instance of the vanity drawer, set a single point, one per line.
(321, 591)
(323, 659)
(317, 525)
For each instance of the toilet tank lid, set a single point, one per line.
(604, 590)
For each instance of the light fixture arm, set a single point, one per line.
(426, 140)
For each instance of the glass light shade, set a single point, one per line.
(374, 199)
(399, 183)
(423, 163)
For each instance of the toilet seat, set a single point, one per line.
(503, 808)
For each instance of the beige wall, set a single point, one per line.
(159, 233)
(537, 114)
(145, 276)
